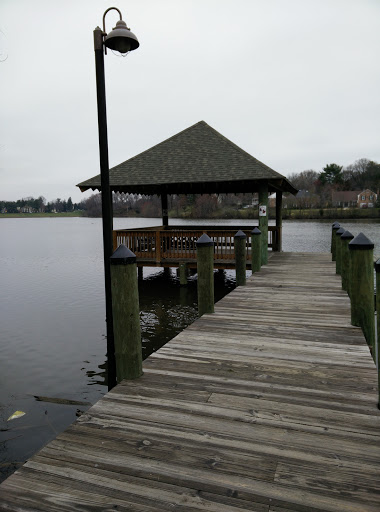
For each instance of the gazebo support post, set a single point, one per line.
(164, 206)
(279, 221)
(263, 221)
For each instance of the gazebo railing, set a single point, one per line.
(179, 242)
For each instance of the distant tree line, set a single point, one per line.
(316, 188)
(315, 191)
(185, 206)
(39, 205)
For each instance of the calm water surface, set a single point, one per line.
(52, 328)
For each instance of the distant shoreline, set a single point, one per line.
(331, 213)
(42, 215)
(287, 214)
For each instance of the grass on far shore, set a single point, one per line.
(76, 213)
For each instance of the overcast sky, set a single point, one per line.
(295, 83)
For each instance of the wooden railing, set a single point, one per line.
(179, 242)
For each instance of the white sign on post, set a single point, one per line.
(262, 210)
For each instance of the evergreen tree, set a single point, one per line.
(332, 173)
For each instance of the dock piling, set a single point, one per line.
(182, 271)
(362, 287)
(345, 260)
(338, 250)
(205, 268)
(255, 250)
(126, 314)
(335, 227)
(240, 244)
(377, 269)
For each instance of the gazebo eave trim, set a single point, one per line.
(221, 187)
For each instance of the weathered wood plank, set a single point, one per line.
(269, 404)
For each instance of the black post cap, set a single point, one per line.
(347, 236)
(361, 243)
(339, 232)
(240, 234)
(255, 231)
(336, 225)
(377, 267)
(204, 241)
(122, 256)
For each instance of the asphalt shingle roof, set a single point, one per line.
(197, 160)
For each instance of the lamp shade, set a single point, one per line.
(121, 39)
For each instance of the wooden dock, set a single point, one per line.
(269, 404)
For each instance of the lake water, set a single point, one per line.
(52, 316)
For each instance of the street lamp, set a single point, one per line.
(120, 39)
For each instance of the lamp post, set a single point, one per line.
(120, 39)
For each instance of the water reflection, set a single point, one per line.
(166, 308)
(52, 316)
(98, 377)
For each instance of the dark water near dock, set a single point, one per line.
(52, 329)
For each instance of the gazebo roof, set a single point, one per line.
(197, 160)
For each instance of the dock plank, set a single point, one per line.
(267, 405)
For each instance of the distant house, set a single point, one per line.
(26, 209)
(303, 199)
(345, 198)
(272, 200)
(366, 199)
(354, 198)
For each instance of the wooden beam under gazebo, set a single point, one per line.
(198, 160)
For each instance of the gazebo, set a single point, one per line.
(197, 160)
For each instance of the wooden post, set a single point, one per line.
(182, 274)
(164, 206)
(377, 269)
(263, 222)
(335, 226)
(240, 243)
(338, 250)
(279, 221)
(205, 268)
(126, 314)
(362, 287)
(158, 246)
(114, 240)
(345, 260)
(255, 250)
